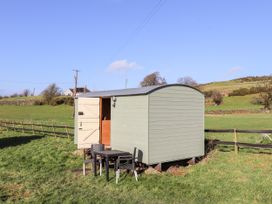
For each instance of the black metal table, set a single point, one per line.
(107, 154)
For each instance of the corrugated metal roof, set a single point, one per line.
(129, 92)
(120, 92)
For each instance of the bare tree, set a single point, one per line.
(266, 95)
(50, 93)
(26, 92)
(187, 81)
(153, 79)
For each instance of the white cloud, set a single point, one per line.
(233, 70)
(122, 65)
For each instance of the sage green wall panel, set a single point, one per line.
(129, 124)
(176, 124)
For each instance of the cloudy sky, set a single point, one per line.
(110, 40)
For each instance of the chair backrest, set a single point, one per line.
(134, 153)
(97, 147)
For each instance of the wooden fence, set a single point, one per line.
(235, 138)
(35, 127)
(68, 131)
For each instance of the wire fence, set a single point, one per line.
(48, 128)
(236, 143)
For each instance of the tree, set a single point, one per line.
(50, 93)
(187, 81)
(26, 92)
(266, 95)
(153, 79)
(217, 97)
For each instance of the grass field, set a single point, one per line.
(60, 114)
(46, 170)
(40, 169)
(236, 103)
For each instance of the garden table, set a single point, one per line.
(107, 154)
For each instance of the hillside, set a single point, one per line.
(226, 87)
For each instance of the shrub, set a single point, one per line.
(257, 101)
(217, 97)
(208, 94)
(69, 101)
(240, 92)
(38, 102)
(50, 93)
(59, 100)
(247, 91)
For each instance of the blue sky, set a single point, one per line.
(109, 40)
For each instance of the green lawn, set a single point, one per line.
(40, 169)
(239, 121)
(46, 170)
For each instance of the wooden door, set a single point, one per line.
(105, 120)
(87, 122)
(105, 139)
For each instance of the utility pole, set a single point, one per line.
(75, 78)
(126, 82)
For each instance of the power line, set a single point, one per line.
(142, 25)
(31, 82)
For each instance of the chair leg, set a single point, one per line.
(117, 175)
(84, 169)
(100, 167)
(136, 175)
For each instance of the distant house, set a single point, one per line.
(79, 90)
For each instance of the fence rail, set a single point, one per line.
(235, 138)
(238, 131)
(26, 127)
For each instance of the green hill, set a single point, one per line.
(226, 87)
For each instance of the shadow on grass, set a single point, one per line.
(18, 140)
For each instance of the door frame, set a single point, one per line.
(100, 119)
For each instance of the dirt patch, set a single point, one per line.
(152, 171)
(177, 171)
(78, 153)
(13, 192)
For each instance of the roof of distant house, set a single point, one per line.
(81, 90)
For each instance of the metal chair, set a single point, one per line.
(94, 147)
(128, 163)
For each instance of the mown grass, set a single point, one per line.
(42, 170)
(236, 103)
(239, 121)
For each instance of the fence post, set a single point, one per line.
(23, 130)
(67, 131)
(41, 127)
(13, 124)
(33, 132)
(235, 141)
(6, 126)
(54, 129)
